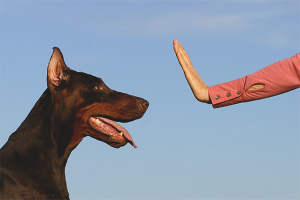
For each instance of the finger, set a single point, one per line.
(185, 57)
(175, 42)
(176, 46)
(185, 62)
(179, 48)
(182, 56)
(178, 53)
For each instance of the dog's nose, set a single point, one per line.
(144, 103)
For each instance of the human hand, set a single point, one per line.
(199, 88)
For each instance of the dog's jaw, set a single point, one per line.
(113, 130)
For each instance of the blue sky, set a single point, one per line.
(186, 149)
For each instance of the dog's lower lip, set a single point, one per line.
(110, 128)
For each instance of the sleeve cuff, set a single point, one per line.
(228, 93)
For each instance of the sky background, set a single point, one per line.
(186, 149)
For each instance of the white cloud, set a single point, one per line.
(258, 21)
(180, 22)
(186, 22)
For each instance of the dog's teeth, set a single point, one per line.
(121, 133)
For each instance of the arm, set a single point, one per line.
(275, 79)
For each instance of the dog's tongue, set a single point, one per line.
(128, 137)
(120, 128)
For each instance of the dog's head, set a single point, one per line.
(90, 106)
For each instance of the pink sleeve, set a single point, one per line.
(278, 78)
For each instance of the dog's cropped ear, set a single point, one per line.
(56, 68)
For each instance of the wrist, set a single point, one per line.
(202, 95)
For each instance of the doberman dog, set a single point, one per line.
(74, 105)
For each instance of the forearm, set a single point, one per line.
(277, 78)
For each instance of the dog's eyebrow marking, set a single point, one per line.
(99, 87)
(79, 102)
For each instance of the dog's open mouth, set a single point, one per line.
(110, 129)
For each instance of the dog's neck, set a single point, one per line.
(38, 142)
